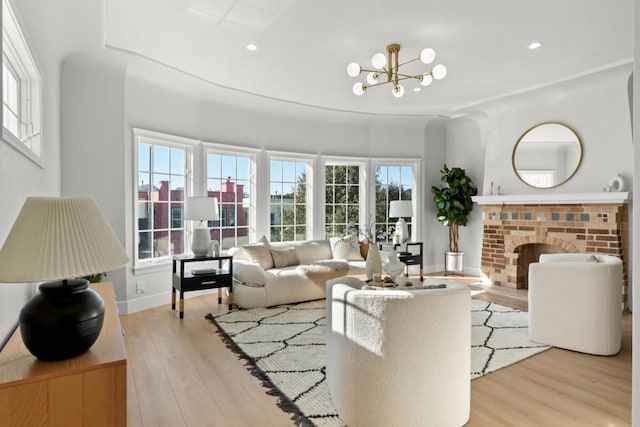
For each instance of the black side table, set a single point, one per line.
(410, 257)
(185, 280)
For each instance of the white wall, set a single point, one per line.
(596, 107)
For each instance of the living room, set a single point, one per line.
(94, 97)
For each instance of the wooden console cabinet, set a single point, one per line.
(87, 390)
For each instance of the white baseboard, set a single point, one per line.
(155, 300)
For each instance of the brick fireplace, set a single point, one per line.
(517, 229)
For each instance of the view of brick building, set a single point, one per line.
(161, 224)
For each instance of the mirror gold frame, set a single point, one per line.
(550, 153)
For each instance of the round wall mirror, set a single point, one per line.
(547, 155)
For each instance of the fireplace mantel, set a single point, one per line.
(555, 198)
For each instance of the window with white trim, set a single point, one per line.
(289, 196)
(228, 179)
(163, 166)
(343, 189)
(21, 90)
(393, 182)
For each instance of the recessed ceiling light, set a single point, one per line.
(252, 47)
(417, 89)
(535, 45)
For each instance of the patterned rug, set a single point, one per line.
(284, 347)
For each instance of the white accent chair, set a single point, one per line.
(575, 302)
(399, 357)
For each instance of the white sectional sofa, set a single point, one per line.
(300, 277)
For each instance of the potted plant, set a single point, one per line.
(454, 205)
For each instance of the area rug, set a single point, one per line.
(284, 347)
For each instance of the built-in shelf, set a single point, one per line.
(556, 198)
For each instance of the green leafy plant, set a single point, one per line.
(94, 278)
(453, 201)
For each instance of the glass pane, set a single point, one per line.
(160, 215)
(177, 188)
(144, 157)
(214, 162)
(301, 214)
(145, 249)
(244, 168)
(329, 173)
(276, 234)
(406, 175)
(288, 233)
(178, 161)
(228, 166)
(213, 185)
(144, 209)
(341, 194)
(287, 215)
(276, 213)
(288, 172)
(161, 244)
(144, 189)
(353, 214)
(276, 170)
(301, 233)
(328, 193)
(353, 195)
(177, 242)
(353, 175)
(161, 159)
(161, 183)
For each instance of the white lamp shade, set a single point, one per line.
(353, 69)
(427, 79)
(398, 91)
(59, 238)
(358, 88)
(379, 61)
(427, 56)
(201, 209)
(400, 209)
(439, 72)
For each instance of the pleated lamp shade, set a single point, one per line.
(58, 238)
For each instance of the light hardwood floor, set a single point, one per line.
(181, 374)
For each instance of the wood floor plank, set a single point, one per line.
(182, 373)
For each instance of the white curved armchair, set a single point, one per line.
(575, 302)
(399, 357)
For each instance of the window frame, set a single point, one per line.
(16, 53)
(311, 195)
(158, 138)
(200, 184)
(363, 204)
(416, 194)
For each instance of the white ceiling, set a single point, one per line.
(304, 46)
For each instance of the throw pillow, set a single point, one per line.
(284, 257)
(260, 253)
(346, 248)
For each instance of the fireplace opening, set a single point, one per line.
(528, 253)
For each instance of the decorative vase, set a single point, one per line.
(394, 267)
(373, 265)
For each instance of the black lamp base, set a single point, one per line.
(62, 321)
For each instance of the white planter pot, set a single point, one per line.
(454, 262)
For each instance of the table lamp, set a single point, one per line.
(399, 209)
(59, 239)
(201, 209)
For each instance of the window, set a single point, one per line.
(289, 185)
(21, 89)
(342, 197)
(228, 178)
(393, 182)
(162, 171)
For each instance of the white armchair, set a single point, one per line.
(399, 357)
(575, 302)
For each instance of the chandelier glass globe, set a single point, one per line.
(379, 61)
(439, 72)
(398, 91)
(358, 88)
